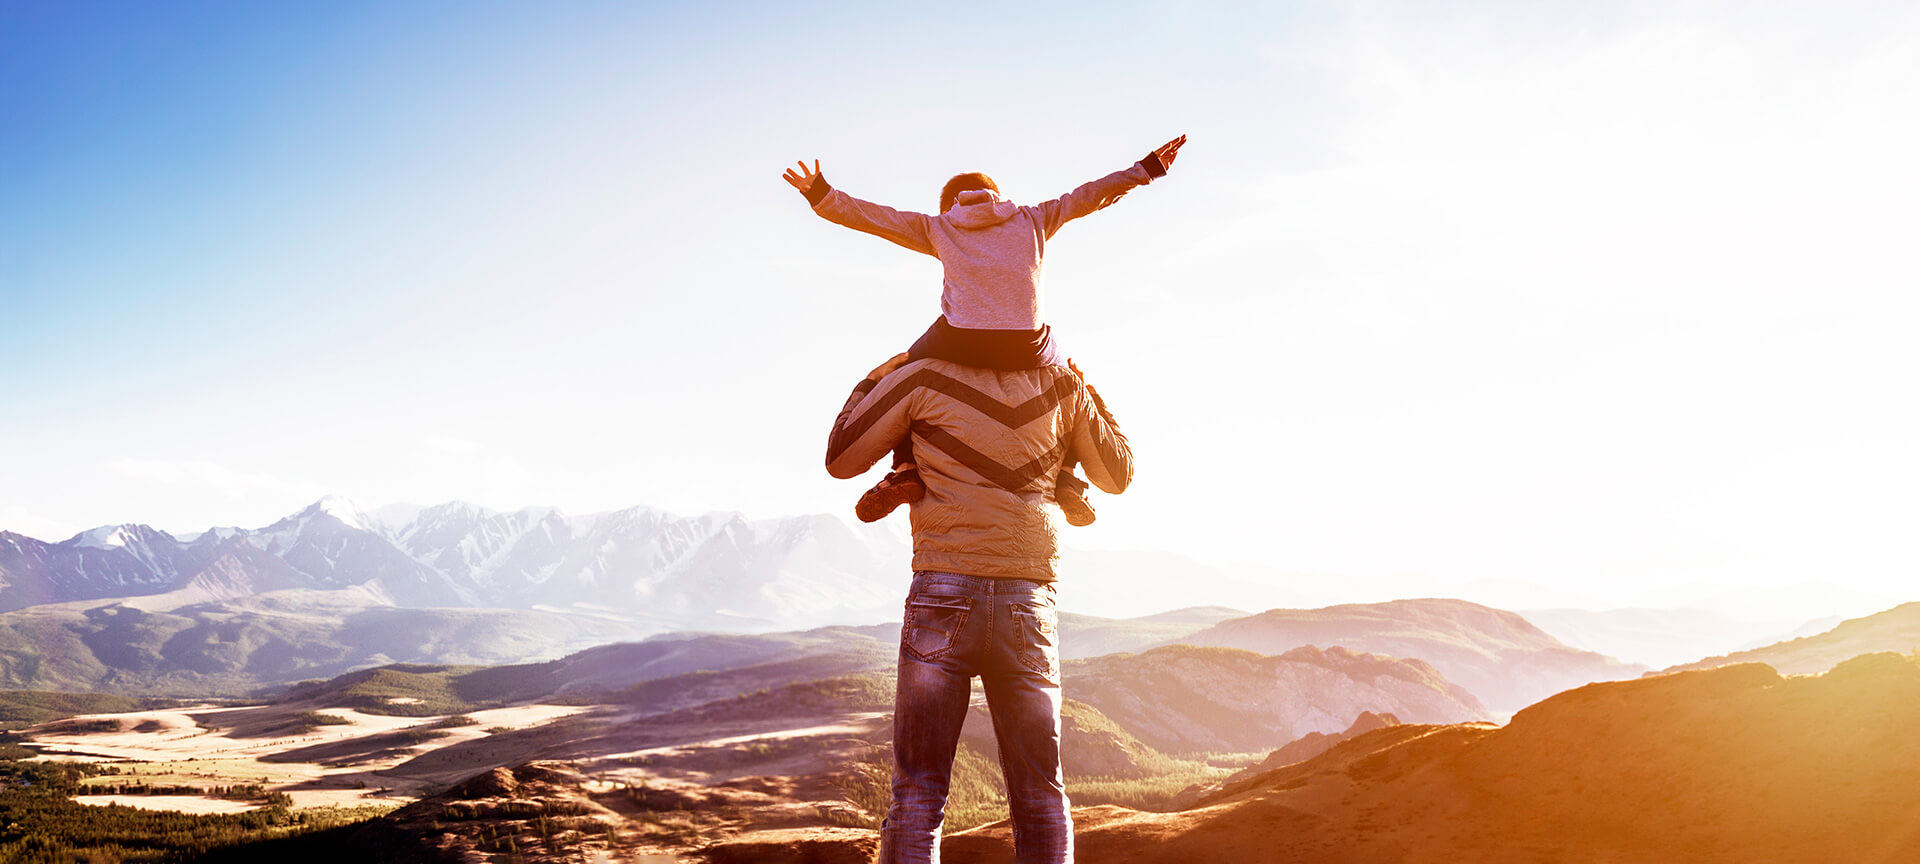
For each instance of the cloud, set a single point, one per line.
(451, 444)
(231, 483)
(451, 466)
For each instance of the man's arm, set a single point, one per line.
(903, 227)
(1106, 190)
(872, 423)
(1098, 444)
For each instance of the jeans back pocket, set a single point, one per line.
(1037, 640)
(933, 624)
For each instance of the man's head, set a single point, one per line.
(963, 183)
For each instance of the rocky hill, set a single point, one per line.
(1298, 750)
(1185, 700)
(1496, 655)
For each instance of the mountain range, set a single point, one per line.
(130, 608)
(718, 571)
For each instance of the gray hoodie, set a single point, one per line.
(989, 248)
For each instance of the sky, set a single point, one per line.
(1610, 298)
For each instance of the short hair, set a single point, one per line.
(963, 183)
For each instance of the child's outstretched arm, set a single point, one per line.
(1106, 190)
(905, 228)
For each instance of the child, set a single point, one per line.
(990, 252)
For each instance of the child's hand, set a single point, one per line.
(887, 368)
(1075, 369)
(1165, 152)
(802, 179)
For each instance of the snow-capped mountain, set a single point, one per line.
(715, 570)
(815, 567)
(109, 561)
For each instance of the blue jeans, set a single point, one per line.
(1003, 630)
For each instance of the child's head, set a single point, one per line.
(963, 183)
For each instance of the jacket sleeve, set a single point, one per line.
(1100, 447)
(903, 227)
(1092, 196)
(870, 425)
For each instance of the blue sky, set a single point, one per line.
(1587, 296)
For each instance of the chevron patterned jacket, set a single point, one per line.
(988, 444)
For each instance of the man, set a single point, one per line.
(985, 556)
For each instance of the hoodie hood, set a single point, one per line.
(980, 208)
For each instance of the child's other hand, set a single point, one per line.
(1075, 369)
(802, 179)
(1165, 152)
(887, 368)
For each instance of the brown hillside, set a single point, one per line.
(1182, 699)
(1497, 655)
(1897, 629)
(1298, 750)
(1735, 764)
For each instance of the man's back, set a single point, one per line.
(988, 444)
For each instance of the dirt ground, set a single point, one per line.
(386, 761)
(348, 764)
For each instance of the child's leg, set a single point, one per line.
(901, 485)
(1005, 350)
(1070, 492)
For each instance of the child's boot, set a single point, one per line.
(900, 486)
(1071, 493)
